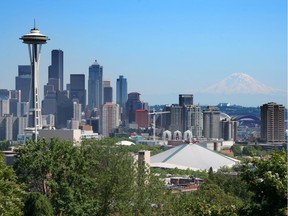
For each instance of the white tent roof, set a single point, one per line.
(125, 143)
(191, 156)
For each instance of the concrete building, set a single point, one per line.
(175, 118)
(109, 118)
(11, 126)
(228, 129)
(211, 123)
(141, 118)
(272, 123)
(73, 135)
(4, 107)
(77, 115)
(192, 120)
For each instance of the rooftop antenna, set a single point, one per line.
(34, 24)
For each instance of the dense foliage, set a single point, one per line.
(101, 178)
(11, 194)
(268, 181)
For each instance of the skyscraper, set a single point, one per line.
(121, 94)
(272, 123)
(55, 70)
(95, 86)
(64, 110)
(185, 99)
(133, 103)
(77, 89)
(109, 118)
(108, 92)
(23, 81)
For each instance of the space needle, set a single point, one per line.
(34, 40)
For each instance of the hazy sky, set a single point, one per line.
(163, 47)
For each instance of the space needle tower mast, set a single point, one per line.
(34, 40)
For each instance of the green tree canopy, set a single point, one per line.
(267, 179)
(11, 193)
(37, 204)
(96, 178)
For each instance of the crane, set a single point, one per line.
(154, 113)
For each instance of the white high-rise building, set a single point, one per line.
(77, 111)
(4, 107)
(110, 118)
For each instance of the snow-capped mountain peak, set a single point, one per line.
(239, 83)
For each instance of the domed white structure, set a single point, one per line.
(177, 135)
(167, 135)
(188, 135)
(191, 156)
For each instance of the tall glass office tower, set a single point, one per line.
(121, 93)
(23, 81)
(95, 86)
(77, 89)
(55, 70)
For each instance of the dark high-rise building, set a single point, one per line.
(64, 110)
(77, 89)
(95, 86)
(185, 99)
(133, 103)
(272, 123)
(4, 94)
(55, 70)
(108, 92)
(23, 81)
(121, 93)
(49, 103)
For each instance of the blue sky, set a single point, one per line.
(163, 47)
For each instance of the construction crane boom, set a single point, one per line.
(154, 113)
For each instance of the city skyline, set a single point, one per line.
(162, 48)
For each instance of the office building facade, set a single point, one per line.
(141, 118)
(133, 103)
(108, 92)
(56, 70)
(95, 86)
(272, 123)
(109, 118)
(121, 94)
(77, 89)
(185, 99)
(23, 82)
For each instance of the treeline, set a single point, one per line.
(100, 178)
(251, 150)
